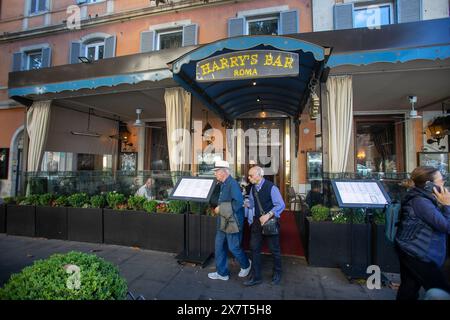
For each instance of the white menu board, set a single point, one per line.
(361, 193)
(193, 188)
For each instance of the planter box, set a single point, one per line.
(85, 224)
(333, 245)
(202, 233)
(20, 220)
(385, 255)
(154, 231)
(2, 218)
(51, 222)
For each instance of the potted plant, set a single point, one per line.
(51, 220)
(21, 216)
(85, 218)
(116, 229)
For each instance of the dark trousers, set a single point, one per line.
(415, 274)
(256, 242)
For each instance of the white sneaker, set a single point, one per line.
(244, 272)
(216, 276)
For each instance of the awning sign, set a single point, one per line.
(248, 64)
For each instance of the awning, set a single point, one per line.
(243, 74)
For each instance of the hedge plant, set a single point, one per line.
(150, 206)
(320, 213)
(79, 200)
(177, 206)
(46, 199)
(61, 201)
(49, 280)
(98, 201)
(116, 201)
(136, 202)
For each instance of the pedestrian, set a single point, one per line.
(422, 234)
(146, 190)
(271, 202)
(230, 194)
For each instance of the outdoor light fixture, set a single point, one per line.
(86, 133)
(209, 138)
(84, 59)
(254, 83)
(439, 128)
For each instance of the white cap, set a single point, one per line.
(220, 164)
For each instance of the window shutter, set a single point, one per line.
(81, 1)
(147, 41)
(75, 52)
(46, 57)
(288, 22)
(235, 27)
(190, 35)
(18, 61)
(343, 16)
(409, 10)
(110, 47)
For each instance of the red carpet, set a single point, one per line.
(290, 241)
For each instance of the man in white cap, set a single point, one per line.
(229, 192)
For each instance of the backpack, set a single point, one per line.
(392, 211)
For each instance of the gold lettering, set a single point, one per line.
(277, 62)
(233, 62)
(269, 60)
(255, 72)
(224, 63)
(243, 59)
(205, 69)
(235, 73)
(215, 67)
(254, 59)
(288, 62)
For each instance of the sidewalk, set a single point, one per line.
(157, 275)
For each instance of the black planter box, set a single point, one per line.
(21, 220)
(335, 245)
(85, 224)
(385, 254)
(202, 234)
(154, 231)
(2, 218)
(51, 222)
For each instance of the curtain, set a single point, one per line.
(178, 117)
(38, 122)
(339, 94)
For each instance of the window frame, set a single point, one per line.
(250, 19)
(37, 12)
(365, 7)
(31, 53)
(94, 44)
(159, 33)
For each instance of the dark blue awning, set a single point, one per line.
(230, 98)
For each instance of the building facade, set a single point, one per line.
(86, 54)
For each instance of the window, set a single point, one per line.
(170, 39)
(373, 16)
(95, 50)
(37, 6)
(262, 26)
(34, 60)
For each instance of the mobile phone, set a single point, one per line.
(430, 185)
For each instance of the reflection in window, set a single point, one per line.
(376, 148)
(34, 60)
(95, 50)
(170, 40)
(267, 26)
(372, 16)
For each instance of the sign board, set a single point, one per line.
(197, 189)
(360, 194)
(249, 64)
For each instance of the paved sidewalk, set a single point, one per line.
(157, 275)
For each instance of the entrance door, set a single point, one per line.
(267, 149)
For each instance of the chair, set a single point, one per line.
(294, 198)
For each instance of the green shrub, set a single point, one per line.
(320, 213)
(379, 217)
(136, 202)
(197, 207)
(150, 206)
(49, 280)
(98, 201)
(177, 206)
(61, 201)
(115, 200)
(31, 200)
(79, 200)
(339, 217)
(46, 199)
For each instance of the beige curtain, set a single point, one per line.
(339, 99)
(178, 117)
(38, 122)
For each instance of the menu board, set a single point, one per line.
(193, 188)
(360, 193)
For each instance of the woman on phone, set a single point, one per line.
(422, 233)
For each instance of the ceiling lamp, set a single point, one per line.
(86, 133)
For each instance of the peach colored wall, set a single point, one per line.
(12, 9)
(10, 119)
